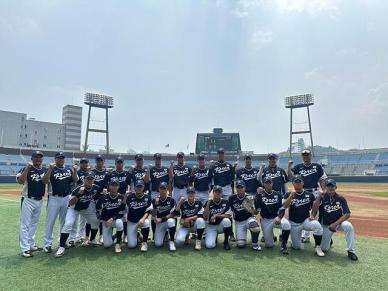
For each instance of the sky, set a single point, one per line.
(176, 68)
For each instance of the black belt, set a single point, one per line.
(35, 198)
(183, 187)
(311, 189)
(59, 195)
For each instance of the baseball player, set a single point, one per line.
(32, 194)
(110, 210)
(217, 214)
(244, 220)
(313, 176)
(334, 215)
(278, 175)
(60, 179)
(271, 213)
(180, 177)
(139, 172)
(300, 203)
(191, 213)
(82, 201)
(139, 207)
(158, 174)
(223, 174)
(163, 216)
(249, 175)
(201, 178)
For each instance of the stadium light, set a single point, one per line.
(298, 101)
(98, 100)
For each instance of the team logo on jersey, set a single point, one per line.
(36, 177)
(99, 178)
(202, 175)
(300, 202)
(158, 175)
(277, 174)
(220, 170)
(332, 208)
(246, 176)
(181, 172)
(269, 201)
(62, 176)
(305, 173)
(109, 205)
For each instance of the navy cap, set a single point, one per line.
(163, 185)
(306, 152)
(99, 158)
(59, 155)
(190, 190)
(221, 151)
(119, 159)
(114, 181)
(240, 184)
(139, 157)
(267, 179)
(217, 188)
(89, 174)
(330, 182)
(297, 178)
(272, 156)
(180, 154)
(36, 154)
(157, 156)
(84, 160)
(247, 157)
(139, 183)
(201, 157)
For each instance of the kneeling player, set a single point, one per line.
(333, 215)
(81, 202)
(110, 209)
(191, 211)
(163, 213)
(139, 207)
(300, 203)
(217, 213)
(244, 219)
(271, 212)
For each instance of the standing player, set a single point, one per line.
(139, 207)
(202, 178)
(139, 173)
(248, 174)
(300, 203)
(278, 175)
(334, 215)
(313, 176)
(60, 179)
(191, 212)
(81, 202)
(110, 210)
(223, 174)
(163, 215)
(269, 202)
(180, 177)
(32, 194)
(158, 174)
(244, 220)
(217, 213)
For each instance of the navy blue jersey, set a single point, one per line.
(33, 186)
(223, 173)
(249, 176)
(300, 206)
(121, 177)
(163, 207)
(100, 178)
(221, 207)
(268, 203)
(191, 209)
(181, 176)
(60, 181)
(311, 174)
(138, 206)
(158, 175)
(88, 195)
(279, 178)
(239, 211)
(81, 176)
(332, 208)
(137, 174)
(110, 207)
(202, 179)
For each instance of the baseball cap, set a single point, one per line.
(180, 155)
(99, 158)
(217, 188)
(84, 160)
(139, 183)
(157, 156)
(267, 179)
(36, 154)
(221, 151)
(163, 185)
(119, 159)
(190, 190)
(89, 175)
(272, 156)
(330, 182)
(201, 157)
(248, 157)
(139, 157)
(240, 184)
(306, 152)
(114, 181)
(59, 155)
(297, 178)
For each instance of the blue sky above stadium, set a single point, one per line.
(177, 68)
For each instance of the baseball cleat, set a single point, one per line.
(60, 252)
(198, 244)
(94, 243)
(284, 251)
(117, 248)
(85, 243)
(256, 247)
(232, 238)
(262, 239)
(47, 249)
(171, 246)
(101, 240)
(352, 256)
(319, 251)
(305, 240)
(144, 247)
(187, 240)
(226, 246)
(275, 239)
(35, 248)
(125, 239)
(71, 243)
(27, 254)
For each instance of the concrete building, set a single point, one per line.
(72, 121)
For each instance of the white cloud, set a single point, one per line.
(377, 100)
(16, 24)
(262, 36)
(351, 52)
(306, 6)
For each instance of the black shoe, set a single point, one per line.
(284, 251)
(27, 254)
(262, 239)
(232, 238)
(275, 239)
(47, 249)
(331, 243)
(280, 238)
(352, 256)
(226, 247)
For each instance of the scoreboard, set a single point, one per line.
(209, 143)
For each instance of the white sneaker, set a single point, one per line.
(35, 248)
(171, 246)
(256, 247)
(319, 251)
(60, 252)
(144, 247)
(198, 244)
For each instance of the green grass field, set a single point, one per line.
(98, 268)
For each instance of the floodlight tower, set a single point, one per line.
(98, 101)
(295, 102)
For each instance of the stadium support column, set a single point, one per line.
(107, 131)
